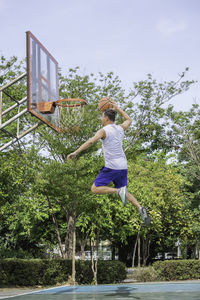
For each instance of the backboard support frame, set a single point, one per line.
(14, 137)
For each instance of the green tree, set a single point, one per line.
(185, 131)
(159, 186)
(61, 191)
(146, 104)
(20, 212)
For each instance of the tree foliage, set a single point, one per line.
(45, 198)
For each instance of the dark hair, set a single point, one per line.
(110, 113)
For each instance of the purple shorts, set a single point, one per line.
(106, 175)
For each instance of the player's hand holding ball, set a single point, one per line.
(115, 106)
(106, 103)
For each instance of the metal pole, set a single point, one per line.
(13, 81)
(19, 137)
(13, 118)
(14, 105)
(18, 121)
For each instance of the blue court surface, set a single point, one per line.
(150, 291)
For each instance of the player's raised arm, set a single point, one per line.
(126, 124)
(99, 135)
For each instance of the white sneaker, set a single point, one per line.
(145, 216)
(122, 192)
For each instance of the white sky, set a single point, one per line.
(129, 37)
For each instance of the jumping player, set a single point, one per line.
(115, 169)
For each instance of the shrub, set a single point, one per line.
(32, 272)
(177, 269)
(144, 274)
(111, 272)
(84, 272)
(35, 272)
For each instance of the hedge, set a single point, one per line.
(34, 272)
(177, 269)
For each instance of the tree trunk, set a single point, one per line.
(139, 250)
(134, 252)
(73, 258)
(113, 251)
(134, 249)
(83, 243)
(122, 253)
(56, 228)
(69, 237)
(94, 262)
(145, 250)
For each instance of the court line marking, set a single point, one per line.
(33, 292)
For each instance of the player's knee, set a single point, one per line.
(93, 189)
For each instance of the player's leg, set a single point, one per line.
(133, 201)
(102, 180)
(106, 176)
(142, 210)
(103, 189)
(121, 183)
(119, 178)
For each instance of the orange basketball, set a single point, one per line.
(105, 103)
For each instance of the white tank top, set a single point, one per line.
(112, 147)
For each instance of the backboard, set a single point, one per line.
(42, 81)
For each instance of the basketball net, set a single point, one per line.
(70, 118)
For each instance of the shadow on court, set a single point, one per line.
(122, 292)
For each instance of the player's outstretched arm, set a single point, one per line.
(99, 135)
(126, 124)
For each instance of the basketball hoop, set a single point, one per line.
(70, 114)
(70, 102)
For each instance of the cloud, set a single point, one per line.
(169, 27)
